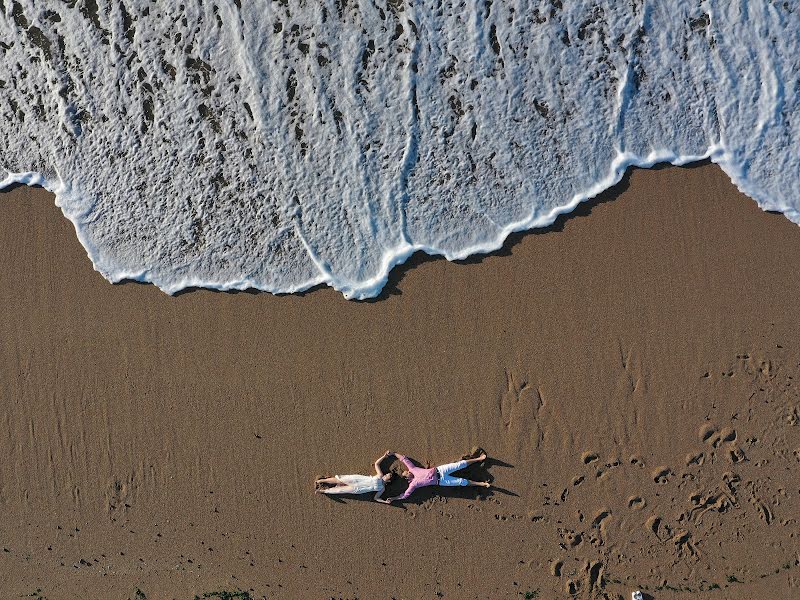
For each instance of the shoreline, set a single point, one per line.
(619, 172)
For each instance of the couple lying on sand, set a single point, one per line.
(417, 477)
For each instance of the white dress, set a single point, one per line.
(359, 484)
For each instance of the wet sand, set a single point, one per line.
(631, 369)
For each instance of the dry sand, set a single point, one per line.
(632, 367)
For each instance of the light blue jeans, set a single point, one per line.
(448, 480)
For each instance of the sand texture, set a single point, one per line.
(631, 369)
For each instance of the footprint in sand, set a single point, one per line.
(708, 434)
(697, 458)
(735, 454)
(683, 544)
(661, 475)
(601, 515)
(636, 503)
(599, 522)
(652, 524)
(589, 457)
(655, 525)
(589, 581)
(555, 568)
(606, 469)
(572, 587)
(572, 538)
(536, 517)
(118, 497)
(764, 511)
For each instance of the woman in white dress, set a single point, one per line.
(356, 484)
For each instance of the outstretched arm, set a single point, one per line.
(404, 495)
(405, 460)
(378, 462)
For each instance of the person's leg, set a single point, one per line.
(450, 481)
(461, 464)
(329, 481)
(447, 480)
(339, 489)
(445, 470)
(485, 484)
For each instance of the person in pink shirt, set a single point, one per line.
(421, 477)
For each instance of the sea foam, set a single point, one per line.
(282, 144)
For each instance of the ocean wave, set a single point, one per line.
(282, 145)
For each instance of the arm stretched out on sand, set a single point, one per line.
(378, 471)
(382, 475)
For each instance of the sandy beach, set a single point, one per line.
(630, 370)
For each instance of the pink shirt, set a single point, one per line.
(420, 477)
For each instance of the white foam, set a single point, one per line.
(279, 146)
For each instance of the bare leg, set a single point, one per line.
(329, 480)
(485, 484)
(342, 488)
(326, 483)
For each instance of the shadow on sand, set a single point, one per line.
(15, 186)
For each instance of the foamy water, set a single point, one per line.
(279, 145)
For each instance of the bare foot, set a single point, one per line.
(487, 485)
(482, 457)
